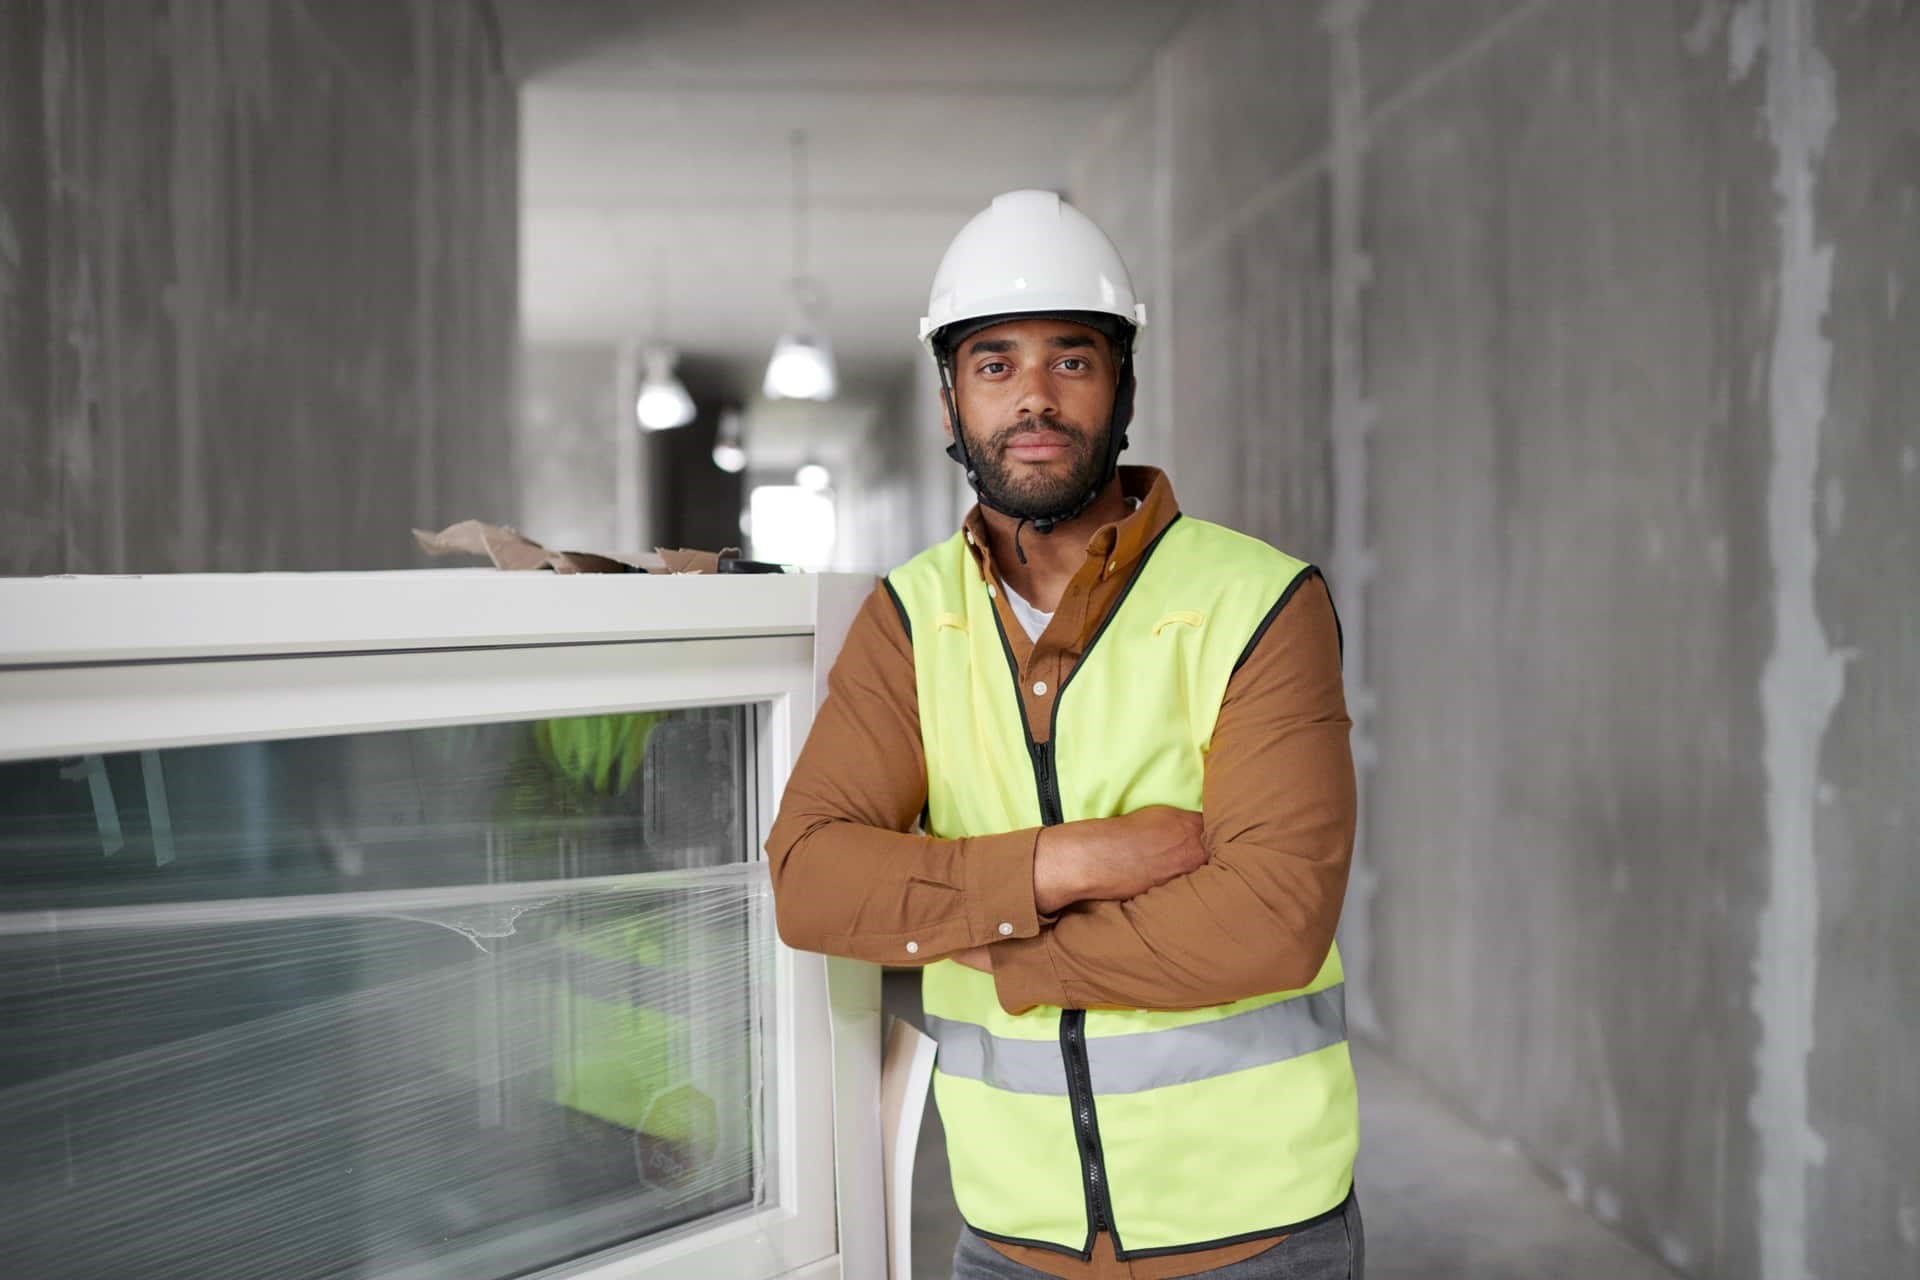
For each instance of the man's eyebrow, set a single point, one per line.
(1059, 342)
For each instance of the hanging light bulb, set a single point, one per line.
(729, 454)
(663, 402)
(801, 369)
(802, 364)
(813, 477)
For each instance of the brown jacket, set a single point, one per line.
(850, 878)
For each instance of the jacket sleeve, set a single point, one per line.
(849, 877)
(1279, 808)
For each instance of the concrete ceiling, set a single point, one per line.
(657, 178)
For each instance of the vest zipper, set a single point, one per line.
(1073, 1022)
(1086, 1123)
(1042, 753)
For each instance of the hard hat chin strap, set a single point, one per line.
(1117, 425)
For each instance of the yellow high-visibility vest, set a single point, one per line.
(1173, 1130)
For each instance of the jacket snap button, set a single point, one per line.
(913, 948)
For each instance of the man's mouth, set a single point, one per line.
(1038, 446)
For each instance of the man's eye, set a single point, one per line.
(1074, 363)
(993, 366)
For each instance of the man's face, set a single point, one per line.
(1035, 398)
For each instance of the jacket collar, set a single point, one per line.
(1123, 542)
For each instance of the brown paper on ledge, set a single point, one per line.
(508, 548)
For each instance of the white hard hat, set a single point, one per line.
(1030, 252)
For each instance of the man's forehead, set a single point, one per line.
(1038, 330)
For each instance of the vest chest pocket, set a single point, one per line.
(1178, 618)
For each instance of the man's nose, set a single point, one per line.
(1036, 394)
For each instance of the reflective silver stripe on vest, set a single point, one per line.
(971, 1052)
(1143, 1060)
(1257, 1038)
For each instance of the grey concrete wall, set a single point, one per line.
(1858, 496)
(582, 461)
(905, 493)
(880, 511)
(258, 281)
(1576, 339)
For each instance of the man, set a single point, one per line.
(1124, 735)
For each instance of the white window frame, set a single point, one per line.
(99, 665)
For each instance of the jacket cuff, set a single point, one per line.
(1024, 976)
(998, 889)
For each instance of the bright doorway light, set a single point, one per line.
(791, 525)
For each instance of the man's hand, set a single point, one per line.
(1115, 858)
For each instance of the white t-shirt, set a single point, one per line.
(1032, 621)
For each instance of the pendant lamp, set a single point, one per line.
(729, 450)
(802, 365)
(663, 402)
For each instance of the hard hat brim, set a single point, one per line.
(1115, 328)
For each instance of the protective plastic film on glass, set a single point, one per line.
(455, 1001)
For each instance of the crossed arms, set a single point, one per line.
(1157, 909)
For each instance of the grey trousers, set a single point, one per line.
(1335, 1249)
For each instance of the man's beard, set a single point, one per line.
(1031, 495)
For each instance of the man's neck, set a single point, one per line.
(1051, 558)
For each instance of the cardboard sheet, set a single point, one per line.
(508, 548)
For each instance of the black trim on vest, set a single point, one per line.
(1085, 1255)
(1259, 632)
(906, 625)
(1036, 752)
(1244, 1237)
(1053, 720)
(898, 608)
(1222, 1243)
(1339, 632)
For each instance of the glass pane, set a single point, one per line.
(464, 804)
(457, 1001)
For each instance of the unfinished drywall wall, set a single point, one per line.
(1575, 339)
(258, 281)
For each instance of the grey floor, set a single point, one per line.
(1442, 1201)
